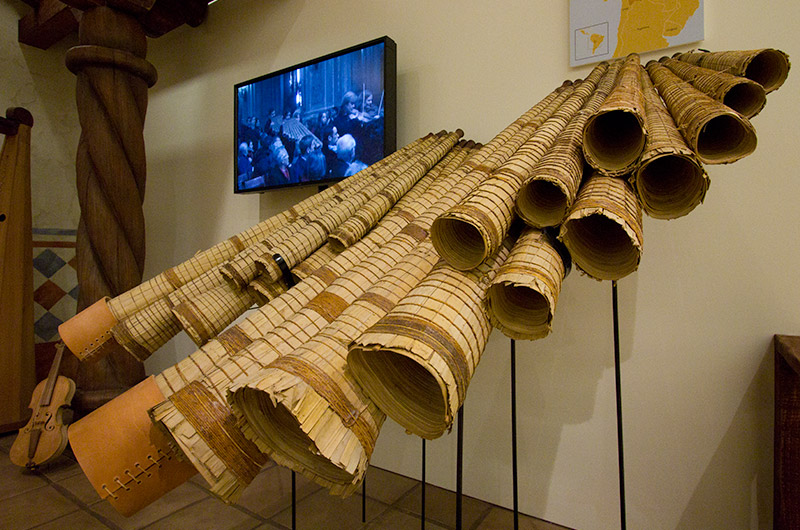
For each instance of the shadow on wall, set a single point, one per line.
(715, 501)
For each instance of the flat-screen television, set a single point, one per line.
(318, 121)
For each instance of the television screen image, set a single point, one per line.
(316, 122)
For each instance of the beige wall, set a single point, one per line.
(696, 319)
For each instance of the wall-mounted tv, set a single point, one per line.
(318, 121)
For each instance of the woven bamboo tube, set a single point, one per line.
(767, 67)
(603, 231)
(614, 137)
(522, 297)
(417, 361)
(669, 181)
(258, 323)
(300, 238)
(205, 316)
(335, 426)
(546, 196)
(234, 356)
(717, 134)
(295, 249)
(245, 348)
(368, 215)
(323, 255)
(743, 95)
(87, 334)
(474, 229)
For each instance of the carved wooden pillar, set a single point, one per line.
(113, 79)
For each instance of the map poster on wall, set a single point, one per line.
(604, 29)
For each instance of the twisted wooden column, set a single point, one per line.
(113, 78)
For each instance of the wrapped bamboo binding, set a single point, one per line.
(717, 134)
(603, 231)
(546, 196)
(669, 181)
(416, 362)
(767, 67)
(468, 233)
(743, 95)
(614, 136)
(522, 297)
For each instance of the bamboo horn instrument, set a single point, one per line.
(289, 332)
(474, 229)
(767, 67)
(522, 297)
(741, 94)
(717, 134)
(87, 334)
(670, 181)
(189, 426)
(603, 231)
(615, 135)
(545, 197)
(416, 362)
(312, 230)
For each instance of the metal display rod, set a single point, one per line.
(620, 445)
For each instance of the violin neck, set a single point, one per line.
(47, 393)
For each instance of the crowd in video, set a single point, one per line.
(280, 149)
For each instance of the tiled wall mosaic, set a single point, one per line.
(55, 281)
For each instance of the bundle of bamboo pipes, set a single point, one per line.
(377, 295)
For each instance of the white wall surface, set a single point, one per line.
(696, 319)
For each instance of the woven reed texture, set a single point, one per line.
(523, 295)
(717, 134)
(738, 93)
(767, 67)
(670, 181)
(263, 291)
(417, 361)
(614, 136)
(147, 330)
(206, 315)
(148, 292)
(295, 249)
(475, 228)
(218, 369)
(546, 196)
(241, 269)
(335, 425)
(603, 231)
(323, 255)
(363, 220)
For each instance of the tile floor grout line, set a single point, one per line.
(480, 519)
(82, 506)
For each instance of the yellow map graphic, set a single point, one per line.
(645, 24)
(596, 40)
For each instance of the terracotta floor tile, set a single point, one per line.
(211, 514)
(501, 519)
(324, 511)
(32, 508)
(397, 520)
(180, 497)
(271, 491)
(76, 520)
(386, 486)
(80, 486)
(15, 480)
(440, 506)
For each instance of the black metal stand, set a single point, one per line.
(459, 466)
(620, 445)
(515, 489)
(294, 502)
(422, 508)
(364, 500)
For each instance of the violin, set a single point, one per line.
(44, 438)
